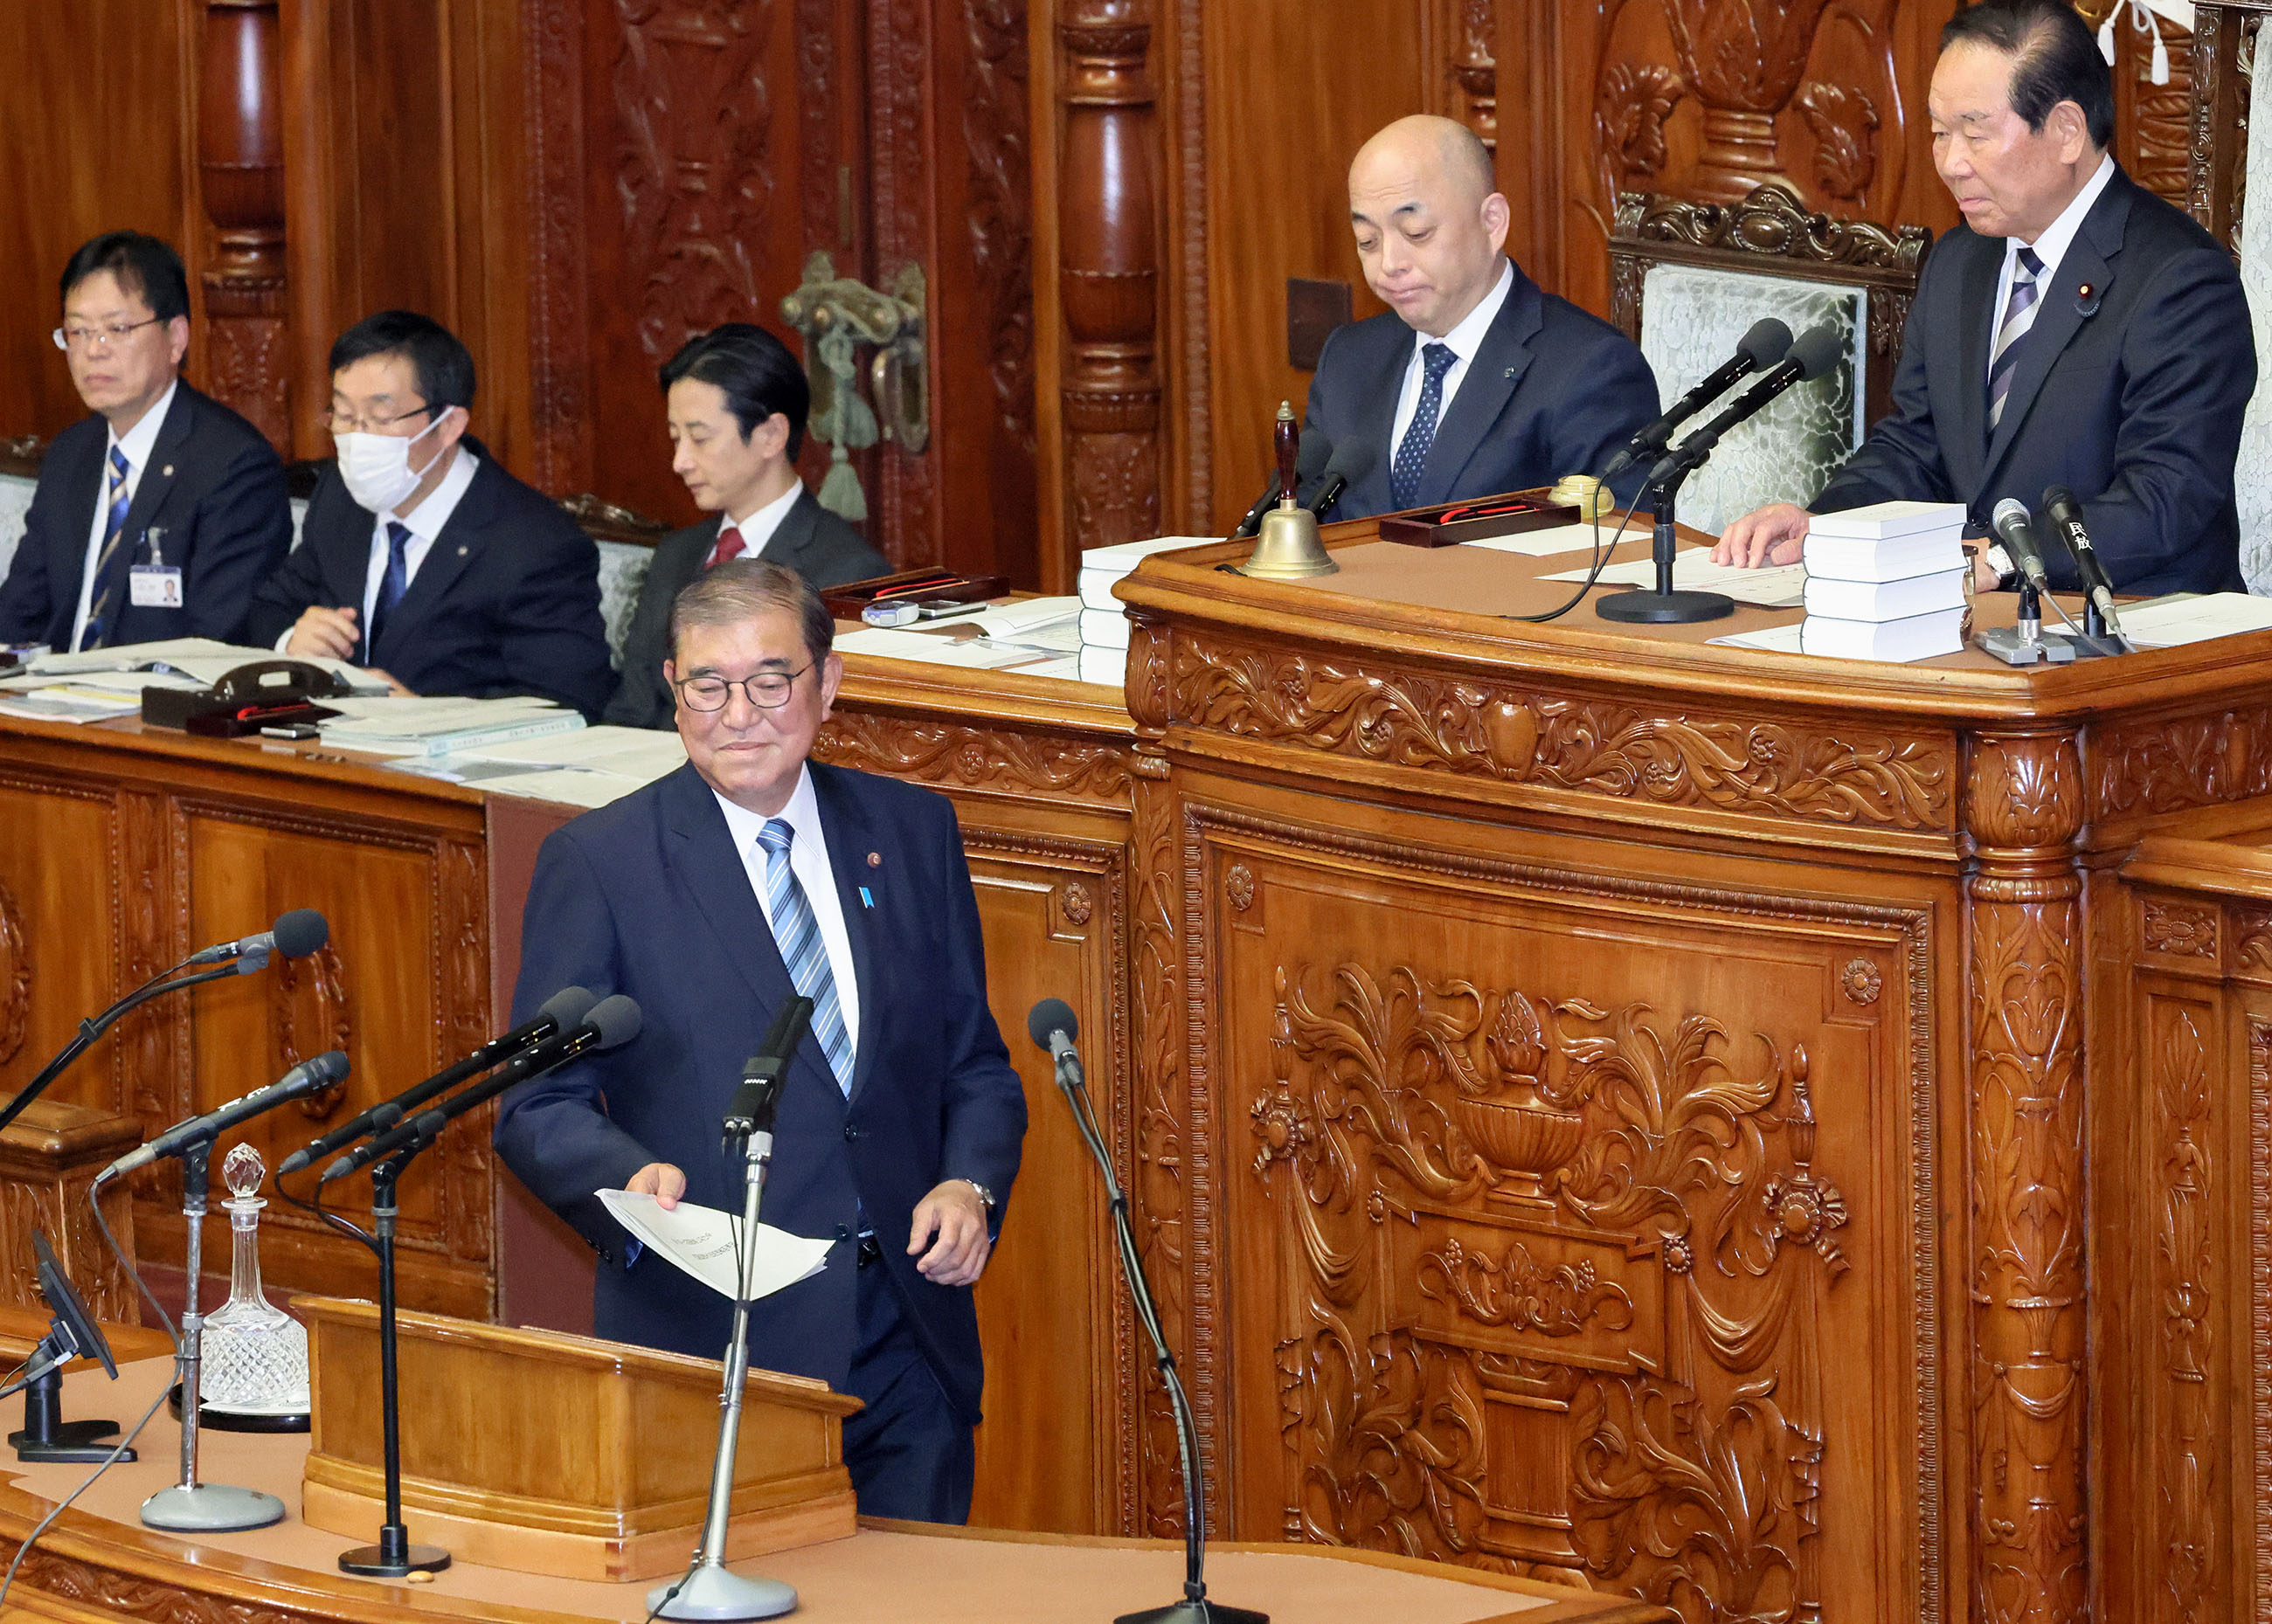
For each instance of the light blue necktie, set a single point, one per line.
(1412, 456)
(114, 526)
(802, 950)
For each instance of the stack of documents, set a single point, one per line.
(1104, 623)
(1886, 581)
(102, 684)
(584, 767)
(1039, 636)
(441, 727)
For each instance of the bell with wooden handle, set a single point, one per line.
(1287, 548)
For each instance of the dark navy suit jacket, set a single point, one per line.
(1552, 390)
(214, 491)
(647, 897)
(2130, 396)
(507, 600)
(812, 540)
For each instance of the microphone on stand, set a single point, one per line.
(1316, 451)
(309, 1077)
(295, 935)
(1053, 1025)
(1351, 461)
(1816, 351)
(564, 1011)
(750, 1110)
(1767, 343)
(2065, 515)
(2014, 529)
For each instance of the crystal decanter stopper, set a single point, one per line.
(256, 1355)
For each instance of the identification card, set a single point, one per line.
(153, 587)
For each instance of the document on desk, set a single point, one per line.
(1773, 639)
(201, 658)
(933, 649)
(2195, 617)
(69, 702)
(1779, 587)
(1559, 539)
(703, 1241)
(639, 754)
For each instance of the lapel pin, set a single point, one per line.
(866, 901)
(875, 860)
(461, 552)
(1510, 372)
(2086, 300)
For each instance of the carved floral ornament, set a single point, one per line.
(308, 1002)
(15, 979)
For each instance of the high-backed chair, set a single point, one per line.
(1687, 279)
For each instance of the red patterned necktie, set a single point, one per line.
(729, 545)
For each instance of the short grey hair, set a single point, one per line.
(741, 589)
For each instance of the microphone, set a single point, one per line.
(612, 1023)
(2013, 527)
(295, 935)
(1816, 351)
(1767, 343)
(2065, 514)
(1054, 1026)
(309, 1077)
(750, 1110)
(1351, 461)
(1310, 462)
(562, 1012)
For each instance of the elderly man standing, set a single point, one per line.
(1476, 381)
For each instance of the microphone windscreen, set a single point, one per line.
(301, 932)
(1352, 460)
(1052, 1015)
(1818, 350)
(2057, 496)
(617, 1019)
(1314, 457)
(1765, 344)
(567, 1008)
(2010, 511)
(328, 1069)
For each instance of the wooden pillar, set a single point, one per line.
(1476, 72)
(2023, 1250)
(241, 162)
(1109, 261)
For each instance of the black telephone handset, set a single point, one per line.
(278, 682)
(267, 693)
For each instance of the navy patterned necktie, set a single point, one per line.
(391, 585)
(106, 579)
(2019, 316)
(1412, 455)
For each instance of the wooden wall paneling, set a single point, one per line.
(240, 170)
(65, 931)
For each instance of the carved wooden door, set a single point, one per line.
(689, 156)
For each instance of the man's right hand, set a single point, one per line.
(661, 1180)
(330, 633)
(1773, 535)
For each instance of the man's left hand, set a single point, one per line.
(953, 1214)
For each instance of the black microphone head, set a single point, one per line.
(567, 1008)
(1052, 1015)
(1314, 457)
(301, 932)
(617, 1019)
(1767, 343)
(2059, 503)
(1353, 460)
(326, 1070)
(1817, 350)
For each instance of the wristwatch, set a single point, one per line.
(2001, 561)
(985, 1196)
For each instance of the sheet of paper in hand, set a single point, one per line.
(700, 1241)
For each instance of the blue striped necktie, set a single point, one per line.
(114, 527)
(2019, 316)
(802, 950)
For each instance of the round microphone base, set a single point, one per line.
(1195, 1613)
(712, 1593)
(379, 1561)
(1663, 608)
(210, 1508)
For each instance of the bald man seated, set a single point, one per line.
(1475, 381)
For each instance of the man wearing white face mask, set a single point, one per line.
(421, 556)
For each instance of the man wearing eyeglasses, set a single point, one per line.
(421, 557)
(711, 897)
(154, 517)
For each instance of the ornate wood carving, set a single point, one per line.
(309, 1013)
(1110, 271)
(2162, 114)
(965, 757)
(1587, 746)
(899, 162)
(1844, 122)
(241, 165)
(1772, 221)
(2184, 1288)
(2184, 930)
(1476, 72)
(2223, 66)
(1238, 885)
(2258, 1550)
(2023, 806)
(1742, 62)
(1630, 108)
(2165, 764)
(461, 1002)
(559, 338)
(1076, 904)
(15, 979)
(152, 1044)
(996, 119)
(1860, 980)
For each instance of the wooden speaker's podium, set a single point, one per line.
(546, 1453)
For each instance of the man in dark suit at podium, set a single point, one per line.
(155, 516)
(711, 897)
(2074, 330)
(1476, 381)
(736, 401)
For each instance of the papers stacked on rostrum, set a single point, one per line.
(1103, 624)
(1886, 581)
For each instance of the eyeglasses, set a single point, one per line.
(768, 690)
(336, 421)
(82, 337)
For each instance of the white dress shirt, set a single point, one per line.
(808, 860)
(138, 445)
(1464, 339)
(2051, 248)
(758, 528)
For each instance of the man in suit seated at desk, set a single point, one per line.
(1480, 381)
(712, 897)
(421, 556)
(155, 516)
(736, 401)
(2074, 330)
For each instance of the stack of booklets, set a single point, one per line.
(1886, 581)
(1103, 624)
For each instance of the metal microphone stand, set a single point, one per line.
(1664, 606)
(190, 1506)
(393, 1556)
(709, 1591)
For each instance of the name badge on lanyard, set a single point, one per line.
(154, 586)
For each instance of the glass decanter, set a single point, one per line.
(256, 1355)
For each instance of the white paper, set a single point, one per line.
(1058, 638)
(201, 658)
(1009, 620)
(702, 1241)
(640, 754)
(2181, 618)
(1776, 588)
(1559, 539)
(1773, 639)
(68, 703)
(929, 649)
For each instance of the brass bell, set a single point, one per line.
(1287, 548)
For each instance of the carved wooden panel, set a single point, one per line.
(61, 927)
(2166, 764)
(1048, 765)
